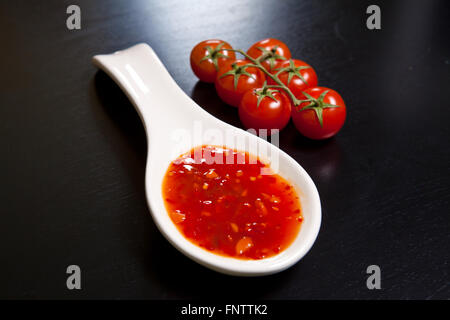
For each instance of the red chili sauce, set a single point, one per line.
(227, 206)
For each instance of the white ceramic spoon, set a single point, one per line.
(167, 112)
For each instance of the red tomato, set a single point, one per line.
(206, 58)
(234, 78)
(274, 50)
(297, 76)
(322, 117)
(264, 108)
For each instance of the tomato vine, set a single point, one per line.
(316, 104)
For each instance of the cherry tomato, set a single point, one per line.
(234, 78)
(206, 58)
(297, 76)
(321, 117)
(265, 108)
(274, 51)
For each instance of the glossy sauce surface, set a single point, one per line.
(220, 201)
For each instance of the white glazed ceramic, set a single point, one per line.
(164, 109)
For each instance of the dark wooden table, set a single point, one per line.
(73, 149)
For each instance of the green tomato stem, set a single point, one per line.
(281, 85)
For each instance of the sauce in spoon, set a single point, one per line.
(220, 201)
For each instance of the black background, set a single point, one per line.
(73, 149)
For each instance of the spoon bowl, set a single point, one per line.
(174, 124)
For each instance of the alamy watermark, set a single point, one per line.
(374, 279)
(373, 22)
(226, 141)
(73, 21)
(74, 279)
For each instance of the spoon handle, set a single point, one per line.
(149, 86)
